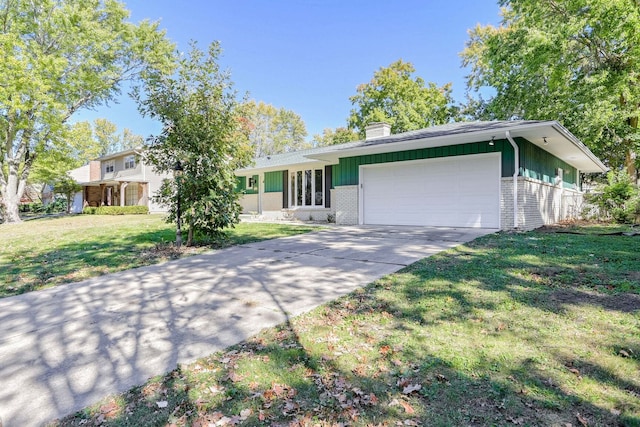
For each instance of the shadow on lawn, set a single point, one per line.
(311, 387)
(28, 271)
(308, 385)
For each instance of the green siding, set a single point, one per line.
(346, 172)
(534, 161)
(273, 182)
(539, 164)
(241, 185)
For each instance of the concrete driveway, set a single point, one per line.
(64, 348)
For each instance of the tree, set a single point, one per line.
(110, 141)
(335, 136)
(204, 130)
(68, 187)
(274, 130)
(77, 53)
(406, 103)
(575, 61)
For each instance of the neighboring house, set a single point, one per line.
(500, 174)
(120, 179)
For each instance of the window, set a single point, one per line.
(108, 167)
(306, 188)
(252, 182)
(130, 162)
(131, 194)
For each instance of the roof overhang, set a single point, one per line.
(137, 150)
(116, 181)
(559, 142)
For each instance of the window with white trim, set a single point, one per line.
(131, 194)
(109, 166)
(130, 162)
(306, 188)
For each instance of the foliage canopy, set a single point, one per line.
(274, 130)
(395, 97)
(575, 61)
(77, 53)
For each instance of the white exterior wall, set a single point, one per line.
(155, 181)
(345, 202)
(249, 203)
(272, 201)
(539, 203)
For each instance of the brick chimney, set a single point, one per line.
(377, 130)
(95, 174)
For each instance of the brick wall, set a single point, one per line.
(345, 201)
(539, 203)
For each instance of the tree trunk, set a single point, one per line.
(630, 160)
(190, 236)
(11, 194)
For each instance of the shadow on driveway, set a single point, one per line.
(64, 348)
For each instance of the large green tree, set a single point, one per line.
(59, 56)
(575, 61)
(335, 136)
(203, 129)
(274, 130)
(398, 98)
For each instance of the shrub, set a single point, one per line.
(59, 204)
(116, 210)
(619, 199)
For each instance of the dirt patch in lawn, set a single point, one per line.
(623, 302)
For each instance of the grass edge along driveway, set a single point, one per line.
(48, 252)
(535, 328)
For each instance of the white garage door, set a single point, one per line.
(462, 191)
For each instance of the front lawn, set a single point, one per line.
(47, 252)
(538, 328)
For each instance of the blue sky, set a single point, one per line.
(310, 55)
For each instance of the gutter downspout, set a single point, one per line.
(260, 189)
(516, 170)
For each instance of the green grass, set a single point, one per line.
(42, 253)
(513, 329)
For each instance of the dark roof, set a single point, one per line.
(446, 130)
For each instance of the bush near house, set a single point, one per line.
(116, 210)
(619, 199)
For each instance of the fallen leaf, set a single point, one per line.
(574, 371)
(162, 404)
(216, 389)
(407, 407)
(224, 421)
(624, 353)
(290, 407)
(441, 378)
(233, 377)
(403, 382)
(582, 420)
(411, 388)
(385, 349)
(244, 414)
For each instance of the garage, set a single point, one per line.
(459, 191)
